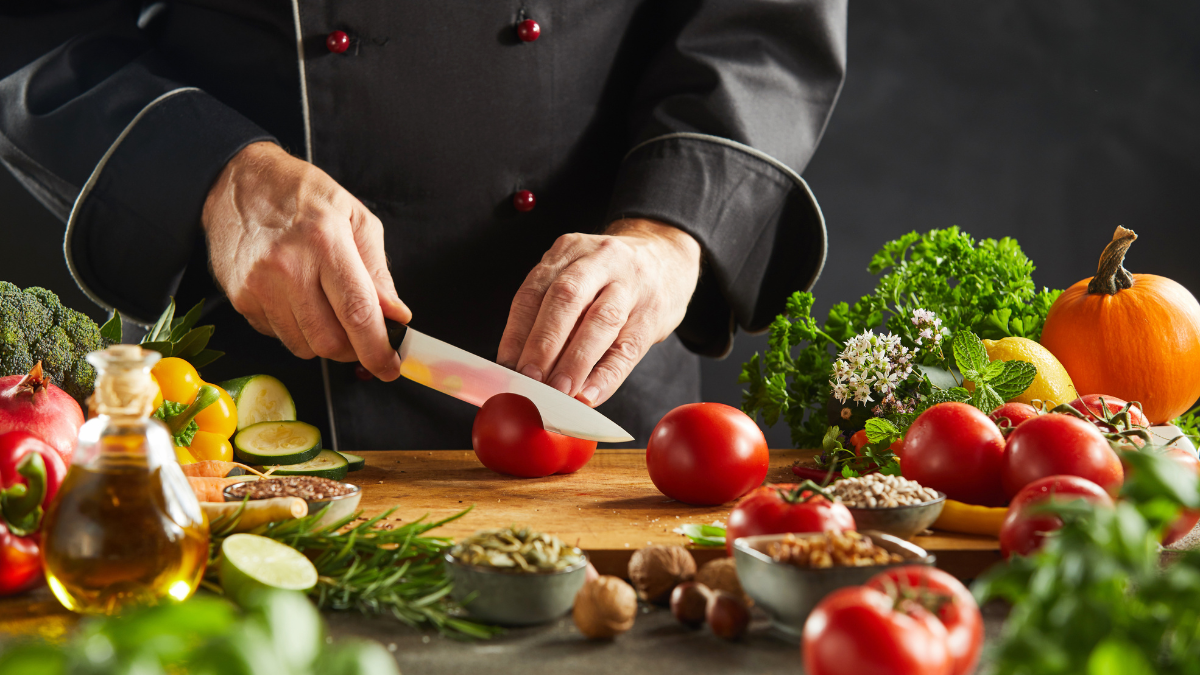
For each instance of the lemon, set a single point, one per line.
(1052, 384)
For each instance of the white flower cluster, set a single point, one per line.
(870, 363)
(929, 328)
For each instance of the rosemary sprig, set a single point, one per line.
(373, 570)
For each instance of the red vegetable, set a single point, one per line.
(1187, 517)
(30, 474)
(1014, 413)
(1023, 531)
(955, 448)
(861, 631)
(32, 403)
(1091, 407)
(706, 454)
(508, 438)
(1056, 444)
(776, 509)
(947, 599)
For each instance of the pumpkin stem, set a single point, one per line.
(1111, 275)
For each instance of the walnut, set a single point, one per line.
(721, 575)
(655, 571)
(605, 607)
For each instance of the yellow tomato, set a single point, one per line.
(177, 379)
(184, 456)
(220, 417)
(207, 445)
(158, 399)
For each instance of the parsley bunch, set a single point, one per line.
(984, 287)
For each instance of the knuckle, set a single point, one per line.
(357, 312)
(540, 343)
(608, 315)
(567, 289)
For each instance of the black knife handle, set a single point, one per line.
(396, 332)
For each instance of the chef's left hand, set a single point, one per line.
(595, 304)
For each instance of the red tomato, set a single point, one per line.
(1188, 517)
(1023, 532)
(1090, 406)
(1015, 412)
(947, 599)
(706, 454)
(776, 509)
(955, 448)
(508, 438)
(1056, 444)
(859, 440)
(857, 631)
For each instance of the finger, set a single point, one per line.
(528, 300)
(616, 364)
(320, 326)
(596, 332)
(368, 237)
(279, 316)
(352, 295)
(565, 301)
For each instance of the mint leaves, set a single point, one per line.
(995, 382)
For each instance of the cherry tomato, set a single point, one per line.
(860, 631)
(706, 454)
(211, 446)
(1091, 407)
(955, 448)
(220, 417)
(1187, 517)
(948, 599)
(1052, 445)
(859, 441)
(1014, 412)
(509, 438)
(177, 379)
(776, 509)
(1024, 532)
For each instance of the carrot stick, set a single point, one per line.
(212, 468)
(258, 511)
(208, 489)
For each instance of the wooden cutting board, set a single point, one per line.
(609, 508)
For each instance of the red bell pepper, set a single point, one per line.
(30, 474)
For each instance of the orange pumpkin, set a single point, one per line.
(1133, 336)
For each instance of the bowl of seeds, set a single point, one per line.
(341, 498)
(515, 576)
(788, 574)
(892, 504)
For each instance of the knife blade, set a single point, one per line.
(442, 366)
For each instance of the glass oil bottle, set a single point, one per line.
(125, 527)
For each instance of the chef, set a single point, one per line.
(594, 194)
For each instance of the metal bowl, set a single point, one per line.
(340, 506)
(497, 596)
(899, 521)
(788, 593)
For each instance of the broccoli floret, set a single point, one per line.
(35, 326)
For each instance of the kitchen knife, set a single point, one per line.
(467, 377)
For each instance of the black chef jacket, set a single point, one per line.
(697, 113)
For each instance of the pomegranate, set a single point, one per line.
(32, 403)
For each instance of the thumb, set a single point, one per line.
(368, 237)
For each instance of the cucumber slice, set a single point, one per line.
(260, 398)
(356, 462)
(327, 464)
(277, 443)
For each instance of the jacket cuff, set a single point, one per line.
(761, 229)
(136, 220)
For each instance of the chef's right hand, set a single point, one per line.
(302, 259)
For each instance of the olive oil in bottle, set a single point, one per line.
(125, 528)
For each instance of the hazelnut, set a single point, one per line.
(727, 615)
(655, 570)
(721, 575)
(689, 602)
(605, 607)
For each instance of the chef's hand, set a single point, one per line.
(302, 259)
(589, 312)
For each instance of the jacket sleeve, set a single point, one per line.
(103, 134)
(727, 116)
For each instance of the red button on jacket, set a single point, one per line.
(528, 30)
(524, 201)
(337, 42)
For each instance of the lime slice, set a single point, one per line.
(250, 563)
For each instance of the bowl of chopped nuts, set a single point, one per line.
(341, 498)
(890, 504)
(788, 574)
(515, 576)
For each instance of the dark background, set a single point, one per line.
(1051, 122)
